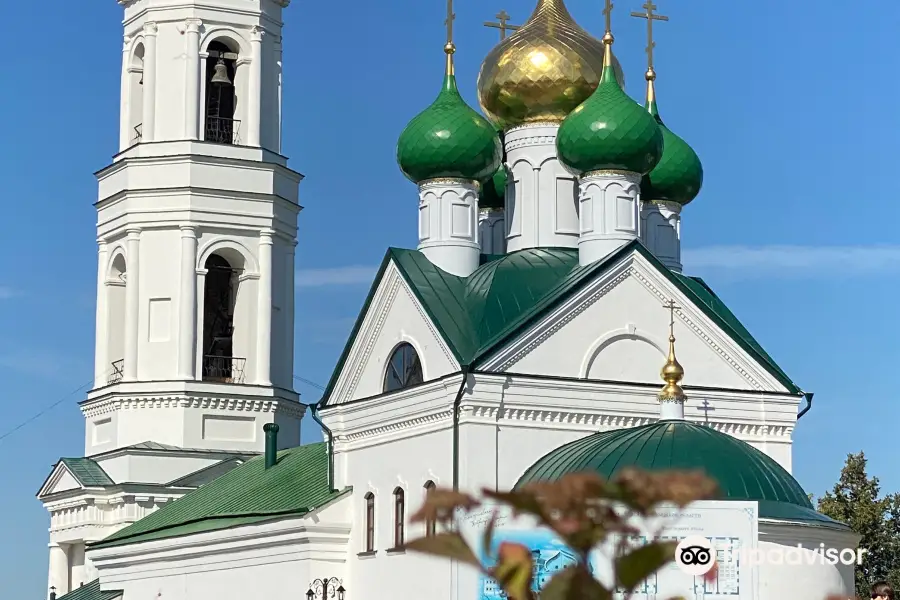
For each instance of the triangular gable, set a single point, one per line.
(694, 290)
(477, 316)
(73, 474)
(393, 313)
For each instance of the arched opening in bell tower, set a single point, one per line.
(220, 299)
(221, 99)
(115, 302)
(136, 94)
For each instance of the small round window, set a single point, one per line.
(404, 369)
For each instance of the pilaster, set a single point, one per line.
(254, 97)
(609, 214)
(187, 308)
(101, 359)
(541, 206)
(448, 229)
(264, 310)
(661, 231)
(148, 125)
(59, 569)
(132, 304)
(192, 78)
(492, 230)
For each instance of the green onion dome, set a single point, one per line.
(493, 191)
(609, 130)
(679, 174)
(741, 471)
(449, 139)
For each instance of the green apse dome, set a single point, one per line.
(449, 139)
(678, 176)
(609, 130)
(742, 471)
(493, 190)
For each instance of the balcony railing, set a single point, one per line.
(137, 135)
(223, 131)
(118, 371)
(224, 369)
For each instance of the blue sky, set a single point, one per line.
(791, 110)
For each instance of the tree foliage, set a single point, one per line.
(856, 500)
(585, 512)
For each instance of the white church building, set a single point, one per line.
(530, 318)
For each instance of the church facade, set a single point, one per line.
(530, 316)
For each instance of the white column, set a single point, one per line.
(541, 195)
(448, 225)
(132, 303)
(201, 286)
(279, 53)
(59, 570)
(124, 96)
(101, 360)
(192, 82)
(610, 213)
(254, 93)
(187, 314)
(148, 124)
(289, 315)
(264, 310)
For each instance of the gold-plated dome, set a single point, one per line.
(543, 71)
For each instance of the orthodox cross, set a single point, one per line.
(672, 308)
(501, 24)
(449, 22)
(706, 408)
(650, 16)
(607, 12)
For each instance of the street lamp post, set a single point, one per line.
(326, 589)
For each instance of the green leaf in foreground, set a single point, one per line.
(448, 545)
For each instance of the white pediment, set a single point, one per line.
(60, 480)
(616, 329)
(394, 316)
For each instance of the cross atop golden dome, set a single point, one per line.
(543, 71)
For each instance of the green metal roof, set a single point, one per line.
(87, 472)
(247, 494)
(91, 591)
(476, 315)
(742, 471)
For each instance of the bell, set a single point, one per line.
(220, 77)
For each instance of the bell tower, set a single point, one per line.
(196, 227)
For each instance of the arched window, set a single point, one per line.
(219, 297)
(115, 328)
(221, 101)
(399, 517)
(430, 524)
(404, 369)
(136, 95)
(370, 522)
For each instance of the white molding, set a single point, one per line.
(114, 404)
(635, 266)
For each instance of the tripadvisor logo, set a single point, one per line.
(696, 555)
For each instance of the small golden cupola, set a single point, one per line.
(672, 396)
(543, 71)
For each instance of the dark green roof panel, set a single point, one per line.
(91, 591)
(742, 471)
(87, 472)
(297, 484)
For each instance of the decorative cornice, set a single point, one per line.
(666, 204)
(535, 125)
(631, 176)
(537, 140)
(449, 181)
(117, 403)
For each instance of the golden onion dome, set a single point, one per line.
(543, 71)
